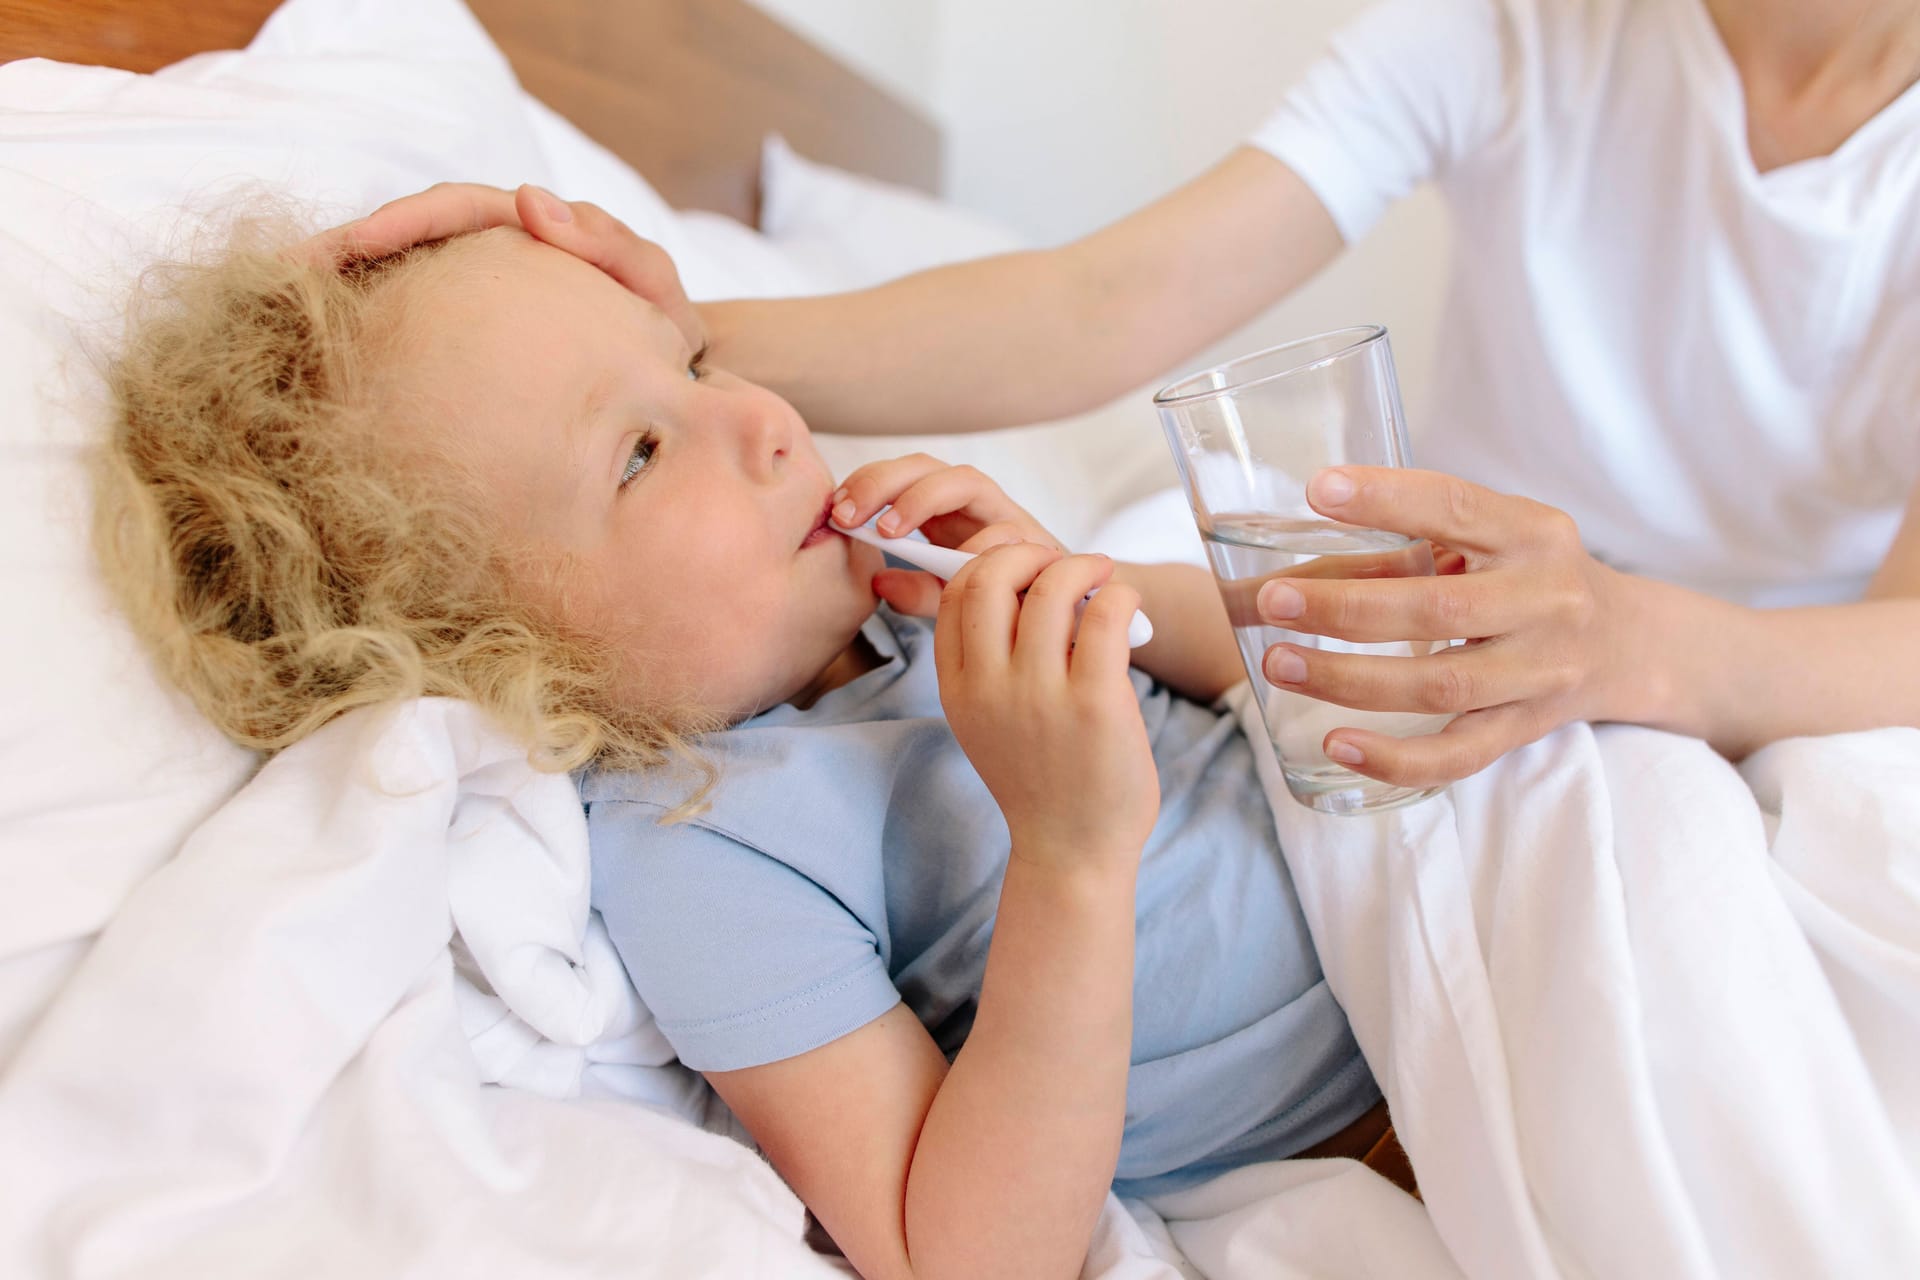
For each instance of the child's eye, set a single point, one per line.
(640, 459)
(698, 365)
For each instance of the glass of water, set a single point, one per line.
(1247, 436)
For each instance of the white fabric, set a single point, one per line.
(260, 1067)
(1610, 1048)
(1709, 368)
(863, 230)
(337, 105)
(102, 771)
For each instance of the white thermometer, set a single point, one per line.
(944, 562)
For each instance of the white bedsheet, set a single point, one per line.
(1620, 1039)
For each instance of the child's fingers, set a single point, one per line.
(1047, 615)
(982, 604)
(909, 591)
(869, 488)
(949, 491)
(1100, 648)
(1008, 531)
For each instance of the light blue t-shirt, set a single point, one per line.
(852, 858)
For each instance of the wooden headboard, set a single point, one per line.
(681, 89)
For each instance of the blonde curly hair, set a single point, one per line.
(280, 553)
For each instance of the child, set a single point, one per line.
(972, 920)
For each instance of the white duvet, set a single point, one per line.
(1637, 1015)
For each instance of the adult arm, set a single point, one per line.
(1767, 674)
(994, 342)
(1555, 636)
(1025, 337)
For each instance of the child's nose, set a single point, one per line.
(766, 434)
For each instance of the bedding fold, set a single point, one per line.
(1637, 1013)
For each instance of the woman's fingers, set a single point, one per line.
(595, 236)
(1413, 560)
(1377, 610)
(442, 210)
(1444, 508)
(1454, 680)
(1468, 744)
(585, 230)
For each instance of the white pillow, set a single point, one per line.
(716, 256)
(102, 769)
(861, 230)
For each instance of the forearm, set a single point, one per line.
(968, 347)
(1028, 337)
(1742, 677)
(1193, 651)
(1018, 1149)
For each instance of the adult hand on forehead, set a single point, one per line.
(583, 229)
(1548, 629)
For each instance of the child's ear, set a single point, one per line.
(909, 591)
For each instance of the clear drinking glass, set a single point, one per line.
(1247, 436)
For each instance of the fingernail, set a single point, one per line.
(841, 494)
(1330, 488)
(1279, 601)
(1346, 753)
(888, 523)
(843, 513)
(555, 207)
(1284, 666)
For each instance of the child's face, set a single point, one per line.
(688, 514)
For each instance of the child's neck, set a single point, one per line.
(854, 661)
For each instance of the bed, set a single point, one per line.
(1638, 1012)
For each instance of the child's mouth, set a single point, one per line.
(822, 529)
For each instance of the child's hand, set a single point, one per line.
(1048, 716)
(954, 506)
(583, 229)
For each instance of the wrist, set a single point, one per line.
(1659, 626)
(1075, 866)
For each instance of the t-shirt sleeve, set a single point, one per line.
(741, 959)
(1404, 92)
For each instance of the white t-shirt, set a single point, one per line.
(1715, 371)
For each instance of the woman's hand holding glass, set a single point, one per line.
(1548, 636)
(583, 229)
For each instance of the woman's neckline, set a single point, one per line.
(1715, 49)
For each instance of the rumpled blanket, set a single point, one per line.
(1637, 1013)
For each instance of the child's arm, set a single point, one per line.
(999, 1165)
